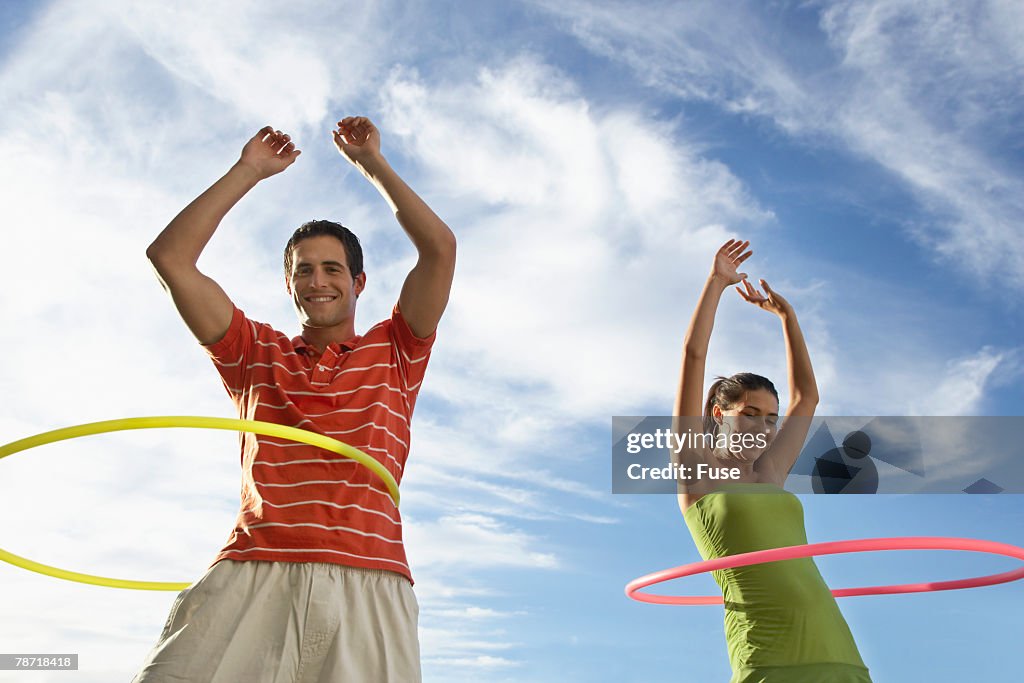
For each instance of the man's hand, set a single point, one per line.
(269, 152)
(358, 140)
(203, 305)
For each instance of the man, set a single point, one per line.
(313, 584)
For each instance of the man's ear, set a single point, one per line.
(288, 284)
(359, 283)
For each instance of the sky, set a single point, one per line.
(590, 157)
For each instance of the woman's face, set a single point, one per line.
(756, 414)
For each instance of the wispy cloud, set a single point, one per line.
(929, 92)
(586, 224)
(444, 542)
(964, 384)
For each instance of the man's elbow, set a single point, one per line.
(167, 264)
(447, 243)
(155, 255)
(158, 251)
(441, 247)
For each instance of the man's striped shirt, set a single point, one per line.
(301, 503)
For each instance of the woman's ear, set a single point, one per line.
(716, 414)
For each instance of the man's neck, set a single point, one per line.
(321, 337)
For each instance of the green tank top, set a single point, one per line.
(781, 621)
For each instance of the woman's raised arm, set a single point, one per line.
(698, 336)
(778, 460)
(688, 406)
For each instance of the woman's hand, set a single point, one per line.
(727, 261)
(773, 303)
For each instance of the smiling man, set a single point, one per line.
(313, 584)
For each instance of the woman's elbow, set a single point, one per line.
(805, 398)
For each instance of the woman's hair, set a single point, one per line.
(728, 390)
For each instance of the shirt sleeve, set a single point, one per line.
(413, 352)
(231, 355)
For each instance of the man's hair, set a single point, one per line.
(353, 252)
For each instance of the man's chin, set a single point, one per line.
(319, 322)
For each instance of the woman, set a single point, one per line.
(781, 621)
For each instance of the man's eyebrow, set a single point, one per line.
(300, 264)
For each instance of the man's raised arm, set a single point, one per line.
(425, 292)
(203, 305)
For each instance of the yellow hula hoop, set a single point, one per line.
(186, 421)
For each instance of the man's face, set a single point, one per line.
(321, 285)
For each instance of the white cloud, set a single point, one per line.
(922, 89)
(587, 226)
(962, 385)
(446, 540)
(481, 661)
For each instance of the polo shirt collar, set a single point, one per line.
(300, 344)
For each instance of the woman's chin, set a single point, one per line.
(747, 456)
(755, 454)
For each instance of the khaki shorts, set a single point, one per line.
(288, 622)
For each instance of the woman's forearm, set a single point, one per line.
(695, 348)
(698, 335)
(802, 385)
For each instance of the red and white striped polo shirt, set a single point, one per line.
(301, 503)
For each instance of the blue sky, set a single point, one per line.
(590, 157)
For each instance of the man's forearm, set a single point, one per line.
(429, 234)
(185, 237)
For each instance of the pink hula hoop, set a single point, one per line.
(831, 548)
